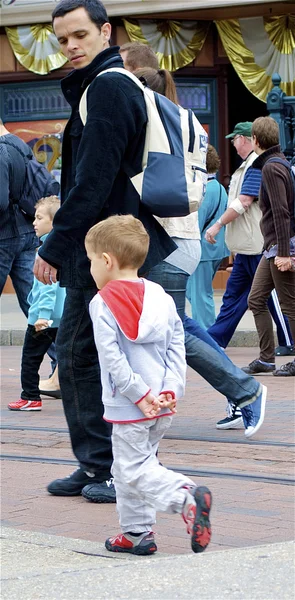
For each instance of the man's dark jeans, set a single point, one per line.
(36, 345)
(17, 256)
(79, 376)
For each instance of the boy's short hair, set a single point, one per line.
(123, 236)
(266, 131)
(139, 55)
(51, 203)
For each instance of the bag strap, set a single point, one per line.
(83, 101)
(215, 212)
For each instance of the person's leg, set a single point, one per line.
(192, 326)
(22, 268)
(35, 347)
(284, 282)
(234, 302)
(144, 486)
(285, 338)
(7, 254)
(79, 376)
(211, 364)
(200, 292)
(261, 289)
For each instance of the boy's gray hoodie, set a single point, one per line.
(140, 343)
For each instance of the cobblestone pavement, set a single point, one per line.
(250, 480)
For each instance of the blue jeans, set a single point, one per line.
(79, 377)
(202, 353)
(17, 257)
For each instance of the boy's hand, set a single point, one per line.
(41, 324)
(149, 406)
(167, 401)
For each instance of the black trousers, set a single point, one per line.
(36, 344)
(79, 378)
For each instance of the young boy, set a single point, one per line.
(46, 307)
(140, 343)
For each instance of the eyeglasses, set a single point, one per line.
(235, 138)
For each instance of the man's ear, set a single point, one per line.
(106, 30)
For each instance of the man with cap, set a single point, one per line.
(243, 238)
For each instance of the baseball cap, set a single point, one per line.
(243, 128)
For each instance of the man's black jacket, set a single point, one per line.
(95, 162)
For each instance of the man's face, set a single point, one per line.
(79, 37)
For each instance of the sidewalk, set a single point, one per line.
(38, 566)
(13, 323)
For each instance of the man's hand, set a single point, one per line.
(212, 232)
(44, 272)
(41, 324)
(283, 263)
(166, 400)
(149, 406)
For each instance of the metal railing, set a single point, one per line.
(282, 108)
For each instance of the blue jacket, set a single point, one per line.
(97, 162)
(46, 301)
(12, 177)
(207, 209)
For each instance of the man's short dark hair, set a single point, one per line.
(95, 9)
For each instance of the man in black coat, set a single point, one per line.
(95, 162)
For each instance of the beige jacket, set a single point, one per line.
(243, 235)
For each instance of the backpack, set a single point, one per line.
(38, 183)
(291, 170)
(173, 178)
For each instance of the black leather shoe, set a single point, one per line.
(257, 366)
(100, 492)
(71, 485)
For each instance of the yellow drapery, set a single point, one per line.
(259, 47)
(176, 43)
(36, 48)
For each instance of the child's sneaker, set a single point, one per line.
(143, 544)
(195, 514)
(25, 405)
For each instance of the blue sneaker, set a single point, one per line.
(253, 414)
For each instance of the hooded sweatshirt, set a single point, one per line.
(140, 343)
(46, 301)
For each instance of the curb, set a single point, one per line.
(241, 338)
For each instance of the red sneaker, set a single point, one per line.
(25, 405)
(195, 514)
(126, 542)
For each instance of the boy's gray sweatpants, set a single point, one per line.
(142, 485)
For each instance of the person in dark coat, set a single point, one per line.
(97, 163)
